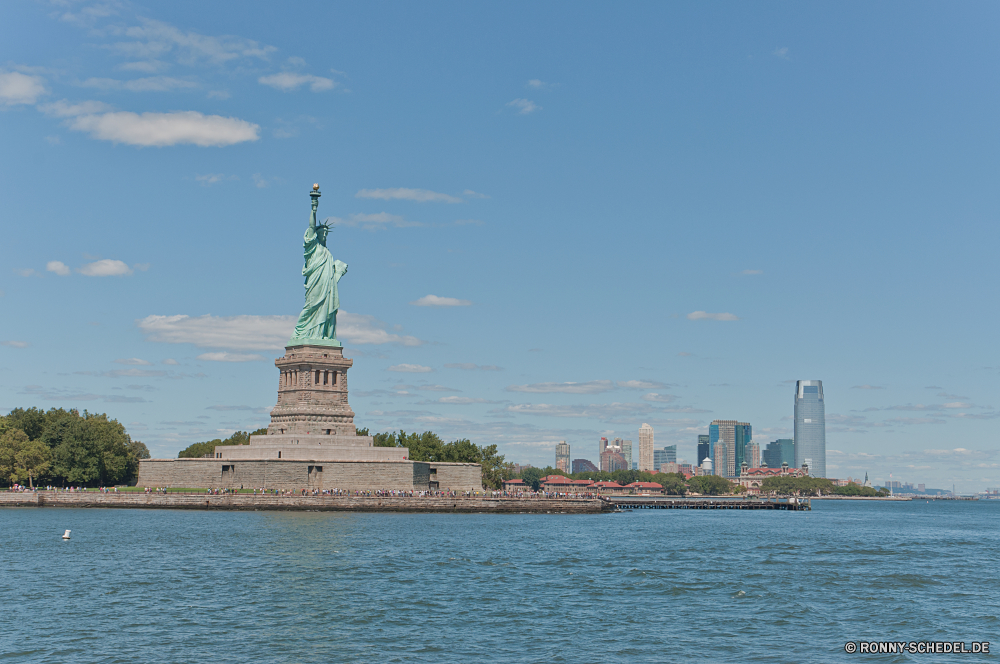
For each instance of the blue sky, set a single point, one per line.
(562, 220)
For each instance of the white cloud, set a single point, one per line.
(536, 84)
(781, 52)
(88, 14)
(461, 401)
(704, 315)
(753, 272)
(591, 387)
(171, 362)
(230, 357)
(58, 267)
(64, 109)
(25, 272)
(435, 301)
(163, 129)
(660, 398)
(260, 332)
(107, 267)
(640, 384)
(289, 81)
(410, 368)
(524, 106)
(398, 193)
(17, 88)
(364, 329)
(468, 366)
(155, 40)
(148, 84)
(14, 344)
(132, 360)
(867, 387)
(473, 194)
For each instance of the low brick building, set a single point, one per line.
(752, 478)
(608, 488)
(645, 488)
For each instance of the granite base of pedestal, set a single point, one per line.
(296, 474)
(311, 448)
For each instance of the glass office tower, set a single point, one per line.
(778, 452)
(810, 427)
(704, 448)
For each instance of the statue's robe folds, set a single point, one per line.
(318, 319)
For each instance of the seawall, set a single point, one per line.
(250, 502)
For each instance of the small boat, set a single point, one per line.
(66, 534)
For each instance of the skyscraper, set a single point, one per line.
(704, 448)
(627, 452)
(667, 455)
(562, 457)
(645, 447)
(733, 437)
(810, 427)
(752, 455)
(778, 452)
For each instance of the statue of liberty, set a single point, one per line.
(318, 321)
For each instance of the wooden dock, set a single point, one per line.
(675, 503)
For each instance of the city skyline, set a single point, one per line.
(162, 154)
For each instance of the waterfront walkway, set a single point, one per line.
(332, 503)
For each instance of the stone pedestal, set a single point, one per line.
(312, 393)
(312, 420)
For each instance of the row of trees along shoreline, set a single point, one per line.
(70, 448)
(66, 448)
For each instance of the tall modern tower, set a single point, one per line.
(704, 448)
(727, 441)
(562, 457)
(810, 427)
(645, 447)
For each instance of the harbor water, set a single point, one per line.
(136, 585)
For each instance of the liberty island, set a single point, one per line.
(311, 443)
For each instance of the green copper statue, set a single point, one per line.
(318, 321)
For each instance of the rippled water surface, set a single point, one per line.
(664, 585)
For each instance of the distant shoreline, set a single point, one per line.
(891, 498)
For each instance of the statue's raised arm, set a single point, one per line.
(318, 321)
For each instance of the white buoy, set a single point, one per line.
(66, 534)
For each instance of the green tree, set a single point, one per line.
(139, 449)
(711, 485)
(11, 441)
(495, 469)
(207, 448)
(672, 483)
(428, 446)
(531, 477)
(31, 421)
(33, 460)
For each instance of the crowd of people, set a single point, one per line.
(355, 493)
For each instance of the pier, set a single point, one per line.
(657, 503)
